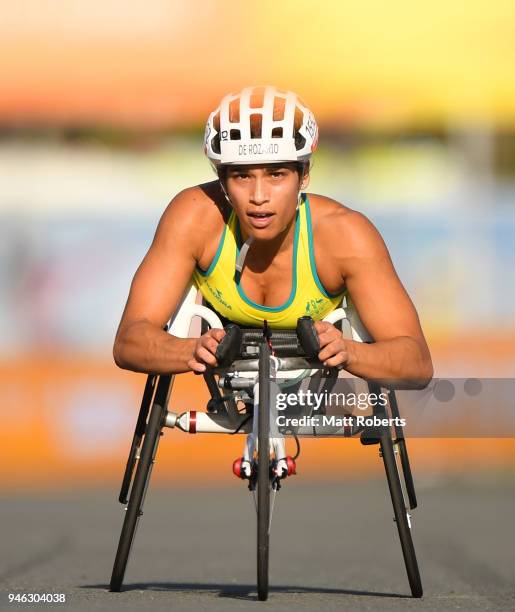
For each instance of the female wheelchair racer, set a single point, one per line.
(259, 251)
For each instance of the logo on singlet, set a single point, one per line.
(314, 307)
(219, 296)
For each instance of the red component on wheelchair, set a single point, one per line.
(292, 466)
(237, 468)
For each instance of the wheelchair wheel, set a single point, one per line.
(406, 472)
(263, 475)
(401, 517)
(403, 454)
(140, 484)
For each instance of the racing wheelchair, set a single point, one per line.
(253, 365)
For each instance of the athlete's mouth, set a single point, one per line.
(260, 215)
(260, 220)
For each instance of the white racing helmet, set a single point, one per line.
(260, 125)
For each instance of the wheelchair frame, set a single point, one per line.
(223, 417)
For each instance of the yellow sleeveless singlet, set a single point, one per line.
(220, 283)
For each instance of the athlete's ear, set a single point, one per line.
(305, 179)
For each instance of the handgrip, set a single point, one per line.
(308, 338)
(229, 347)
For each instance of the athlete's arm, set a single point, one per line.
(399, 352)
(141, 344)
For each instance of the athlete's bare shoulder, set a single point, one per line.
(324, 208)
(197, 201)
(191, 216)
(345, 232)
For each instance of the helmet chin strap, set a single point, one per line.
(299, 199)
(225, 192)
(243, 254)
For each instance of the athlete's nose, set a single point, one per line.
(259, 192)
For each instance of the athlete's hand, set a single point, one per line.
(333, 347)
(205, 349)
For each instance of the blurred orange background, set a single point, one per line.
(101, 117)
(163, 63)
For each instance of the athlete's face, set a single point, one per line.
(264, 197)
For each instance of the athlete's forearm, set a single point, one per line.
(401, 361)
(143, 347)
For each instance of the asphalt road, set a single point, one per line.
(333, 547)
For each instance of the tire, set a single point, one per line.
(406, 471)
(263, 476)
(140, 484)
(403, 454)
(401, 519)
(139, 432)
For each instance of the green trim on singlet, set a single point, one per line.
(216, 257)
(293, 291)
(312, 261)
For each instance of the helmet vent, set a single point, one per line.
(235, 134)
(256, 122)
(300, 141)
(277, 132)
(279, 108)
(234, 111)
(215, 144)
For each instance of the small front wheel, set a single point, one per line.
(263, 472)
